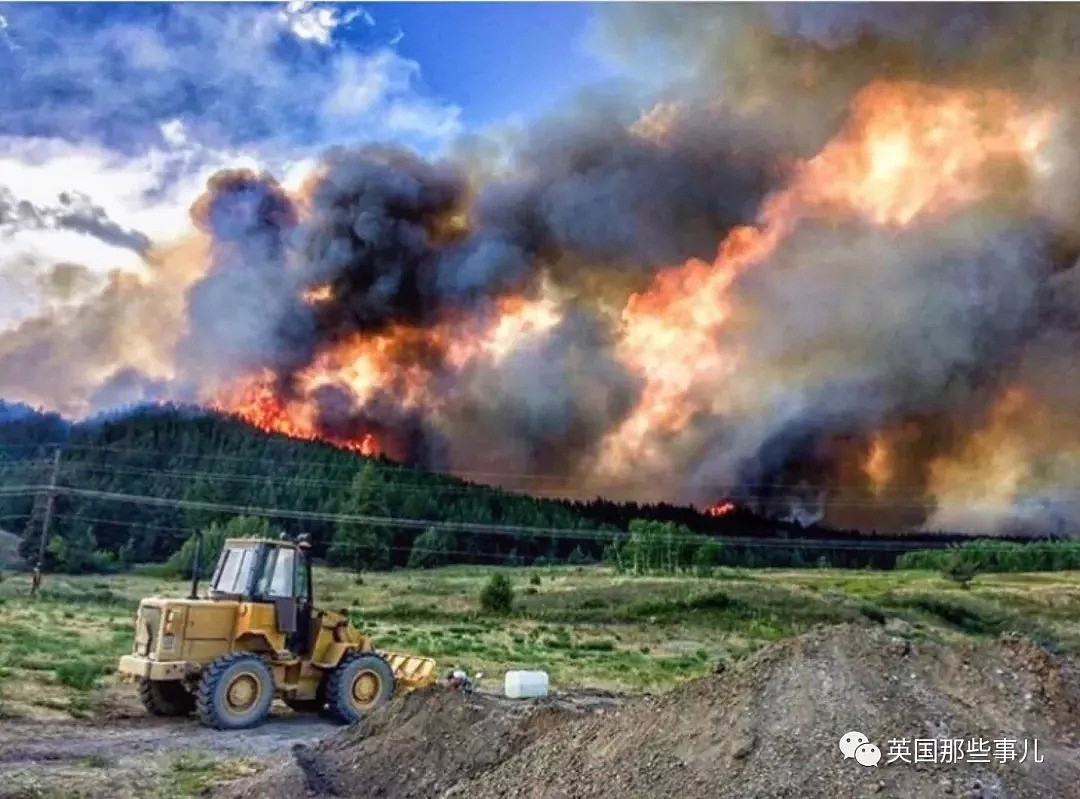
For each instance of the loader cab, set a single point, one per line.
(274, 572)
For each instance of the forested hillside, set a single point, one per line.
(173, 453)
(167, 454)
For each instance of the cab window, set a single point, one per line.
(234, 574)
(277, 576)
(301, 576)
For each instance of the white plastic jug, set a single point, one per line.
(526, 684)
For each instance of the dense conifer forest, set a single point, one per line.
(154, 456)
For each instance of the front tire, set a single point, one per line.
(165, 697)
(361, 683)
(235, 692)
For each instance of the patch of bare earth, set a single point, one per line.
(124, 753)
(768, 728)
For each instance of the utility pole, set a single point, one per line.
(49, 498)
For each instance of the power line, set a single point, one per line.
(515, 531)
(78, 517)
(385, 466)
(255, 479)
(18, 490)
(185, 533)
(433, 488)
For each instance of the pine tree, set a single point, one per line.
(360, 545)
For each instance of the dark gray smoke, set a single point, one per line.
(592, 195)
(246, 313)
(380, 220)
(547, 405)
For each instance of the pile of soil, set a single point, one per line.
(419, 746)
(770, 727)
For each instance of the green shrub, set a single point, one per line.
(498, 595)
(535, 579)
(78, 674)
(960, 570)
(432, 548)
(872, 612)
(577, 557)
(707, 557)
(597, 645)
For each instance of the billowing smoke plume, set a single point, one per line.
(246, 312)
(828, 270)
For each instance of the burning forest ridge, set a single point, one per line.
(830, 273)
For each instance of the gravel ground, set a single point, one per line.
(131, 755)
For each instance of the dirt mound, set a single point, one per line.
(420, 745)
(768, 728)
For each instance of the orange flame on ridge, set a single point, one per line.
(255, 402)
(402, 360)
(720, 508)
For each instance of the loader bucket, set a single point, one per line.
(410, 671)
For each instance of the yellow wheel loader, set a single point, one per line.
(255, 636)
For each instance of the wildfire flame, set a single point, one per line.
(398, 359)
(907, 153)
(720, 508)
(907, 150)
(256, 402)
(318, 294)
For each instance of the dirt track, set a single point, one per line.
(52, 741)
(121, 757)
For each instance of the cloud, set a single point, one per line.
(75, 212)
(230, 75)
(317, 23)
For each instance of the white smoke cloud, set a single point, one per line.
(317, 23)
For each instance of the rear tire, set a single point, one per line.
(361, 683)
(165, 697)
(235, 692)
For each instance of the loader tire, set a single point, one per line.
(235, 692)
(361, 683)
(165, 697)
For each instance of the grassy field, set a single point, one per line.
(587, 625)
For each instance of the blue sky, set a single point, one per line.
(287, 75)
(498, 60)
